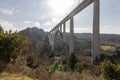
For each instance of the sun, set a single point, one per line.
(59, 7)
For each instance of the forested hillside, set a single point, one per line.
(82, 41)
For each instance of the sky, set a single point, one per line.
(45, 14)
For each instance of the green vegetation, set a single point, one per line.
(72, 61)
(11, 44)
(108, 48)
(110, 70)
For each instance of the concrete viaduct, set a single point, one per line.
(70, 16)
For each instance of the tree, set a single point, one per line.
(72, 61)
(1, 31)
(11, 44)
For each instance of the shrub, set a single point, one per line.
(32, 63)
(81, 66)
(72, 61)
(11, 44)
(66, 67)
(104, 57)
(110, 70)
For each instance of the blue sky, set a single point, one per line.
(45, 14)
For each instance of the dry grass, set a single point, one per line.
(43, 72)
(14, 76)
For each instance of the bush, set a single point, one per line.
(72, 61)
(110, 70)
(11, 44)
(66, 67)
(104, 57)
(81, 66)
(32, 63)
(118, 72)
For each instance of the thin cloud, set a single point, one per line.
(80, 30)
(109, 29)
(9, 26)
(83, 30)
(37, 24)
(26, 22)
(7, 11)
(53, 22)
(47, 24)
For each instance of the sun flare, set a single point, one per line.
(59, 7)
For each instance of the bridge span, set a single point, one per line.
(61, 27)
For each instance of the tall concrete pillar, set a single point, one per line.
(64, 38)
(58, 28)
(71, 36)
(51, 32)
(52, 42)
(61, 28)
(55, 29)
(95, 37)
(64, 32)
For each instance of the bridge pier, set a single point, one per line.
(61, 28)
(64, 32)
(71, 48)
(95, 37)
(57, 28)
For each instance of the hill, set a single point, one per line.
(83, 41)
(38, 39)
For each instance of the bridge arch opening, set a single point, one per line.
(58, 43)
